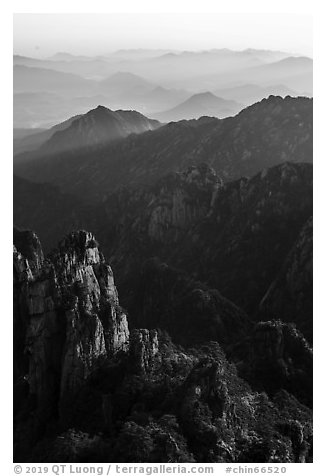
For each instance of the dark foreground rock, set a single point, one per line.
(87, 391)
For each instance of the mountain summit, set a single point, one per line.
(201, 104)
(99, 126)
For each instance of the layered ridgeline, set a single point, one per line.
(87, 389)
(233, 235)
(48, 90)
(217, 68)
(265, 134)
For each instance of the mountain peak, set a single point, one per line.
(204, 95)
(100, 107)
(200, 104)
(99, 126)
(98, 110)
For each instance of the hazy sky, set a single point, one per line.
(41, 35)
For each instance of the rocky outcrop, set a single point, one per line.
(72, 315)
(181, 200)
(144, 348)
(225, 421)
(27, 260)
(27, 245)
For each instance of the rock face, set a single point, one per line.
(249, 231)
(189, 310)
(290, 294)
(143, 349)
(23, 274)
(224, 420)
(180, 201)
(71, 311)
(274, 356)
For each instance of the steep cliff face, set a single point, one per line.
(225, 420)
(144, 348)
(276, 355)
(290, 294)
(23, 274)
(191, 311)
(73, 319)
(180, 201)
(186, 406)
(28, 246)
(240, 247)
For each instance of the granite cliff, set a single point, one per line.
(291, 291)
(68, 315)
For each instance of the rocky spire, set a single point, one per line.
(72, 315)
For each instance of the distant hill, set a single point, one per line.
(44, 97)
(21, 133)
(43, 109)
(156, 99)
(34, 140)
(295, 72)
(27, 79)
(63, 56)
(202, 104)
(249, 93)
(151, 81)
(124, 82)
(97, 127)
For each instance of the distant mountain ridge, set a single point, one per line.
(250, 93)
(201, 104)
(152, 82)
(35, 79)
(267, 133)
(124, 82)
